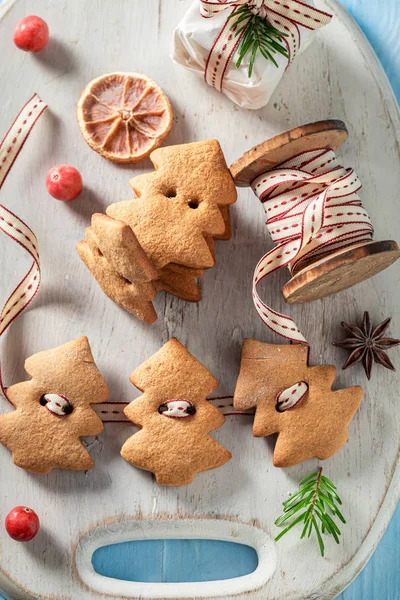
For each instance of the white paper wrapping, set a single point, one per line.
(195, 35)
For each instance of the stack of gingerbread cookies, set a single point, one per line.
(163, 238)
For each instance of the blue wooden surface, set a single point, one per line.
(380, 580)
(174, 561)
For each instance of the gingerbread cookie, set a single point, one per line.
(118, 243)
(190, 184)
(134, 297)
(294, 400)
(53, 409)
(175, 417)
(168, 229)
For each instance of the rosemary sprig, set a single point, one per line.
(259, 35)
(313, 505)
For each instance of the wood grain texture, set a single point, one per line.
(332, 74)
(340, 270)
(282, 147)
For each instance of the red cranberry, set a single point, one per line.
(31, 34)
(64, 182)
(22, 524)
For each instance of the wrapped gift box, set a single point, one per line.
(205, 43)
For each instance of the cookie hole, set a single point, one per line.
(171, 193)
(193, 203)
(177, 408)
(68, 408)
(57, 404)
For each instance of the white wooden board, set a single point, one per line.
(337, 77)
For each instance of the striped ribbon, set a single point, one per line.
(312, 209)
(12, 225)
(284, 15)
(113, 412)
(290, 397)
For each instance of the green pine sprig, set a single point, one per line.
(314, 505)
(259, 36)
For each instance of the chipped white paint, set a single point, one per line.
(337, 77)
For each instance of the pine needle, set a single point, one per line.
(259, 36)
(314, 505)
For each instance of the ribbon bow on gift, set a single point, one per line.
(283, 15)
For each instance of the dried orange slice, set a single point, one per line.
(124, 116)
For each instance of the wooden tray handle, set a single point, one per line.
(175, 528)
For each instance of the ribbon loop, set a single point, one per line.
(312, 209)
(291, 396)
(12, 225)
(296, 11)
(284, 15)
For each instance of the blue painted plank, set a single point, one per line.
(172, 561)
(380, 580)
(129, 562)
(380, 21)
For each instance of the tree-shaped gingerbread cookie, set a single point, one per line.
(163, 238)
(53, 409)
(175, 418)
(294, 400)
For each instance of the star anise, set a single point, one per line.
(367, 344)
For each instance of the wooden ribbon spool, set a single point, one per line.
(343, 268)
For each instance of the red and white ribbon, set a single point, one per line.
(57, 404)
(177, 408)
(12, 225)
(113, 412)
(290, 397)
(284, 15)
(312, 209)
